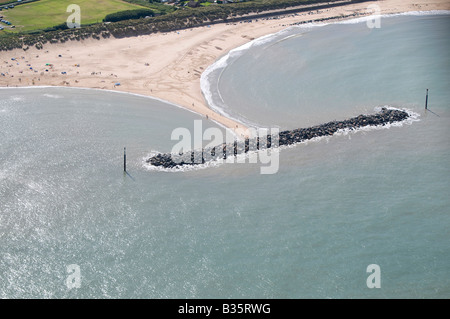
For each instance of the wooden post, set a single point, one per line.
(426, 101)
(124, 159)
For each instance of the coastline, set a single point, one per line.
(167, 66)
(386, 117)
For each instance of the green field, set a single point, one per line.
(48, 13)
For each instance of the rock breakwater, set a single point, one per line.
(288, 137)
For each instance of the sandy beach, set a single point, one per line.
(167, 66)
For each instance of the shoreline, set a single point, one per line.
(223, 152)
(166, 66)
(103, 90)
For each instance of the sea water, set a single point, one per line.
(313, 73)
(335, 206)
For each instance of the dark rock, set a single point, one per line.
(384, 117)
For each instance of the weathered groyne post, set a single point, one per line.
(124, 159)
(426, 101)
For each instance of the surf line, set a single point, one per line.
(289, 137)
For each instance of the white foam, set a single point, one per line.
(178, 168)
(102, 90)
(413, 117)
(242, 157)
(52, 96)
(112, 91)
(371, 17)
(223, 62)
(17, 98)
(35, 187)
(389, 15)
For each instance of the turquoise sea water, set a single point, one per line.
(334, 207)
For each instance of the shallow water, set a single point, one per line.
(334, 207)
(310, 74)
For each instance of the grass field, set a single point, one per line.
(48, 13)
